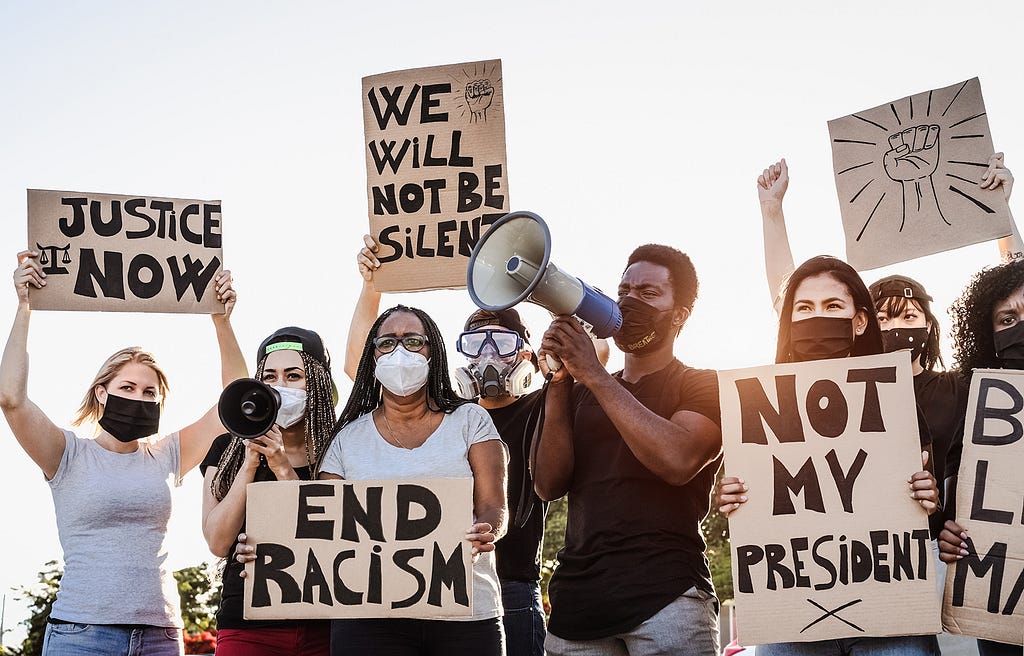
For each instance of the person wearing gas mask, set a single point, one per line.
(295, 362)
(112, 494)
(500, 370)
(403, 420)
(988, 333)
(637, 453)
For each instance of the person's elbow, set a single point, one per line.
(550, 490)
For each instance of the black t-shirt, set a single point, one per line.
(229, 615)
(518, 553)
(942, 397)
(632, 541)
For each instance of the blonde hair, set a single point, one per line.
(90, 410)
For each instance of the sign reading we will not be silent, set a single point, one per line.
(829, 541)
(984, 594)
(113, 253)
(334, 549)
(435, 170)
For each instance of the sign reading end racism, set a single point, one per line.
(333, 549)
(985, 589)
(125, 253)
(830, 544)
(435, 170)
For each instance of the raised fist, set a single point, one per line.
(913, 153)
(479, 94)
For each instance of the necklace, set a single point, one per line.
(394, 437)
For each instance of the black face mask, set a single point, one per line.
(1009, 345)
(898, 339)
(821, 338)
(130, 419)
(643, 327)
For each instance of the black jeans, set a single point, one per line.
(409, 637)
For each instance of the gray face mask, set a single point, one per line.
(293, 406)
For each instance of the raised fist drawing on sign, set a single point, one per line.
(479, 94)
(911, 160)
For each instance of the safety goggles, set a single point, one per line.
(505, 342)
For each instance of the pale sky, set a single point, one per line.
(626, 123)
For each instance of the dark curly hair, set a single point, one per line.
(972, 331)
(366, 389)
(681, 273)
(867, 343)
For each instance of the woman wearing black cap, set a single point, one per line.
(295, 362)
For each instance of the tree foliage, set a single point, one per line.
(200, 597)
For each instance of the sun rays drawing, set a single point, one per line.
(907, 175)
(476, 92)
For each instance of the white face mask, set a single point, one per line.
(293, 406)
(401, 372)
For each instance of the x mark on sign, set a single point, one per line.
(833, 613)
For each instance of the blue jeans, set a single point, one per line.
(72, 639)
(688, 626)
(524, 618)
(925, 645)
(989, 648)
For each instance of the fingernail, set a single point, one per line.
(743, 498)
(475, 551)
(964, 552)
(745, 488)
(963, 546)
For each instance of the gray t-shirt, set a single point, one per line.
(360, 452)
(112, 511)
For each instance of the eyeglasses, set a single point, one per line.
(412, 343)
(505, 342)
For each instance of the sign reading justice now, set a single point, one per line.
(435, 170)
(125, 253)
(327, 549)
(830, 541)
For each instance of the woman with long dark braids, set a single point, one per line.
(404, 420)
(295, 362)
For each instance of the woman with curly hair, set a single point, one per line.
(988, 333)
(296, 363)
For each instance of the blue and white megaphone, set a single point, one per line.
(512, 263)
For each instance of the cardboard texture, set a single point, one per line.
(328, 549)
(907, 174)
(829, 543)
(103, 252)
(435, 170)
(983, 595)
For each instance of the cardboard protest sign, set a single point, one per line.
(327, 549)
(907, 174)
(984, 588)
(435, 170)
(125, 253)
(830, 541)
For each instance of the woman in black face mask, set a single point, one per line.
(826, 313)
(988, 333)
(112, 494)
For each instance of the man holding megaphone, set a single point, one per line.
(637, 453)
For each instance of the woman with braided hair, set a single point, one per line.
(295, 362)
(404, 420)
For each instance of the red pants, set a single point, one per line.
(306, 639)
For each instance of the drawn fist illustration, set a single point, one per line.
(479, 94)
(913, 153)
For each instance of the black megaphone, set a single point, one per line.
(248, 408)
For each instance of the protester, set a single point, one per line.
(112, 494)
(827, 312)
(637, 453)
(988, 333)
(295, 362)
(403, 420)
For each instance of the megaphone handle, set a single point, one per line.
(554, 364)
